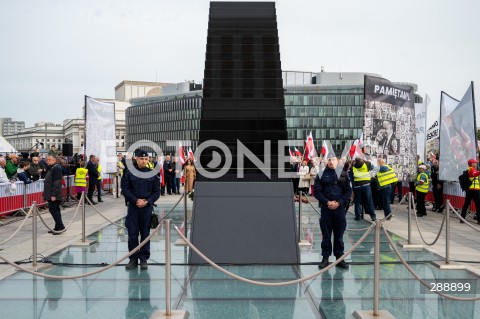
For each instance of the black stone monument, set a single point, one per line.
(247, 219)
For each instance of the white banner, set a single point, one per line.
(457, 135)
(100, 137)
(420, 129)
(433, 131)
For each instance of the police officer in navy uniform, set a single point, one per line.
(141, 192)
(333, 190)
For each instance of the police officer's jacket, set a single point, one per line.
(330, 188)
(135, 187)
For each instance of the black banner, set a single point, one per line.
(389, 125)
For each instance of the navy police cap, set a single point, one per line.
(141, 153)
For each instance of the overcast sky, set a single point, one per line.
(54, 52)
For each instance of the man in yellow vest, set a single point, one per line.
(421, 187)
(474, 192)
(99, 180)
(360, 174)
(386, 177)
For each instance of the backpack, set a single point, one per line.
(465, 181)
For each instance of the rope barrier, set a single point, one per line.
(389, 216)
(108, 220)
(35, 273)
(463, 219)
(392, 244)
(439, 232)
(274, 284)
(66, 227)
(20, 227)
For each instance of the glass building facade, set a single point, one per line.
(330, 105)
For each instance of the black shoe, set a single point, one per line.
(343, 264)
(419, 215)
(133, 263)
(461, 221)
(100, 201)
(51, 231)
(58, 230)
(357, 218)
(424, 214)
(143, 264)
(374, 218)
(324, 263)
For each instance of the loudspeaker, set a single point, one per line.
(67, 149)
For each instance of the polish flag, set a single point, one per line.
(310, 152)
(190, 154)
(181, 153)
(358, 150)
(324, 149)
(297, 152)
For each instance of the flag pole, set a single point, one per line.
(474, 121)
(425, 128)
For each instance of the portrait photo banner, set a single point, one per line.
(389, 125)
(457, 135)
(100, 139)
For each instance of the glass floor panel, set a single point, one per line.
(207, 293)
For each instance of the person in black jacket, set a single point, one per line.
(52, 191)
(333, 191)
(168, 173)
(92, 177)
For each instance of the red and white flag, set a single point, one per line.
(297, 152)
(310, 152)
(324, 149)
(181, 153)
(358, 151)
(190, 154)
(292, 153)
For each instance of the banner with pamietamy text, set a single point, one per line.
(389, 125)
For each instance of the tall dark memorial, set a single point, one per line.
(250, 217)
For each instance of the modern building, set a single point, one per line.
(329, 104)
(10, 127)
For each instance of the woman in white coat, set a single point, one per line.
(304, 181)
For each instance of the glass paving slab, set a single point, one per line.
(207, 293)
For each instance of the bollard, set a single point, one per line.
(167, 268)
(117, 186)
(34, 234)
(447, 233)
(299, 215)
(83, 216)
(376, 269)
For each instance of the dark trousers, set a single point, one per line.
(421, 211)
(176, 185)
(98, 183)
(438, 195)
(54, 209)
(295, 185)
(91, 189)
(363, 197)
(138, 222)
(385, 195)
(399, 191)
(169, 183)
(475, 196)
(333, 222)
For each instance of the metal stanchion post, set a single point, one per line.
(447, 233)
(83, 217)
(384, 314)
(167, 269)
(410, 199)
(299, 214)
(181, 242)
(408, 245)
(117, 186)
(376, 269)
(34, 235)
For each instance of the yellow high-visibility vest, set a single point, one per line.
(99, 169)
(475, 182)
(81, 177)
(361, 174)
(387, 177)
(149, 165)
(423, 188)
